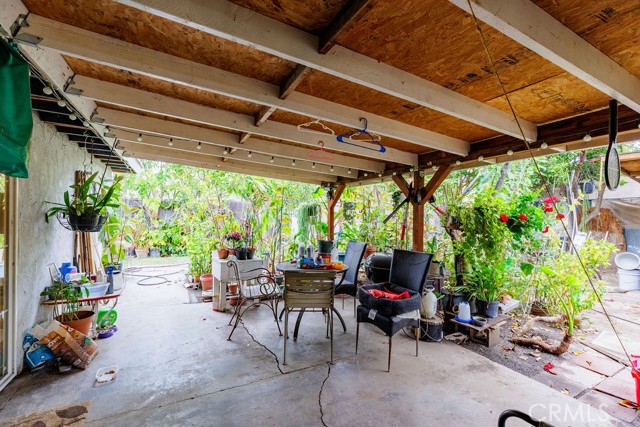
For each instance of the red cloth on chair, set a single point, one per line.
(376, 293)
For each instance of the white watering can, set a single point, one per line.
(429, 303)
(464, 312)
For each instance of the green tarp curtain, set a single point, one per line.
(16, 121)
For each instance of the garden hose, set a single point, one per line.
(151, 279)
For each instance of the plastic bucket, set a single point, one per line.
(627, 261)
(628, 280)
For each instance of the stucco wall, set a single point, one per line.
(53, 161)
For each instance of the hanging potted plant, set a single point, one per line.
(86, 210)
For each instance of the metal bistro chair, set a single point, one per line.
(348, 283)
(408, 273)
(312, 289)
(264, 290)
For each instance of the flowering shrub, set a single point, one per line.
(234, 238)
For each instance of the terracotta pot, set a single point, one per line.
(206, 280)
(196, 278)
(142, 253)
(233, 291)
(82, 325)
(223, 253)
(232, 251)
(233, 288)
(369, 251)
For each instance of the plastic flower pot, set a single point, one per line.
(241, 254)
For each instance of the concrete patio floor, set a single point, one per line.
(178, 369)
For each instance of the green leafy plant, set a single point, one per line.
(117, 234)
(66, 296)
(87, 200)
(486, 282)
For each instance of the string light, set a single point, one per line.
(544, 145)
(61, 103)
(457, 162)
(139, 138)
(379, 174)
(332, 168)
(480, 158)
(170, 143)
(587, 137)
(47, 90)
(434, 167)
(366, 174)
(293, 162)
(510, 153)
(393, 173)
(199, 146)
(411, 169)
(225, 151)
(249, 155)
(272, 160)
(313, 165)
(349, 171)
(72, 116)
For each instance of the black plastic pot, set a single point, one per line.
(325, 246)
(241, 254)
(250, 253)
(154, 253)
(487, 308)
(86, 223)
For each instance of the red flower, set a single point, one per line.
(547, 200)
(548, 208)
(559, 216)
(504, 218)
(546, 229)
(554, 198)
(523, 217)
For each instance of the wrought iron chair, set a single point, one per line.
(348, 283)
(308, 290)
(260, 288)
(408, 272)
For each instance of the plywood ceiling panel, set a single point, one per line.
(310, 15)
(610, 25)
(138, 81)
(559, 97)
(341, 91)
(436, 40)
(134, 26)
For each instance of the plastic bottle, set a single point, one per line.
(335, 254)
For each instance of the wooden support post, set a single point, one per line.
(418, 214)
(438, 178)
(331, 210)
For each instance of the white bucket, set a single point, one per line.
(627, 261)
(628, 280)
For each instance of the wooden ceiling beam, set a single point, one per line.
(532, 27)
(220, 166)
(93, 47)
(131, 98)
(293, 81)
(402, 184)
(152, 126)
(434, 183)
(127, 138)
(227, 20)
(263, 115)
(349, 13)
(555, 134)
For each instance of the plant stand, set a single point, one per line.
(489, 334)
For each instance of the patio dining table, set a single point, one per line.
(283, 267)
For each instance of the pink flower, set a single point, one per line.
(560, 216)
(547, 200)
(545, 229)
(554, 198)
(523, 217)
(504, 218)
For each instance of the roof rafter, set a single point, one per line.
(112, 52)
(532, 27)
(227, 20)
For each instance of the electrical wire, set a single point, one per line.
(543, 180)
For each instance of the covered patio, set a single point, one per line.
(338, 94)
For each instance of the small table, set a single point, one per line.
(492, 330)
(95, 307)
(222, 275)
(288, 266)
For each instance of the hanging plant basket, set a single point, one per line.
(83, 223)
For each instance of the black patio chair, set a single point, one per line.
(408, 273)
(348, 283)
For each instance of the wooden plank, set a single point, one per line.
(244, 136)
(402, 184)
(219, 166)
(349, 13)
(149, 125)
(296, 77)
(225, 19)
(263, 115)
(535, 29)
(127, 139)
(418, 216)
(434, 183)
(78, 43)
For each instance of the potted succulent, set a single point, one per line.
(66, 309)
(86, 210)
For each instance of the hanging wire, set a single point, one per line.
(544, 181)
